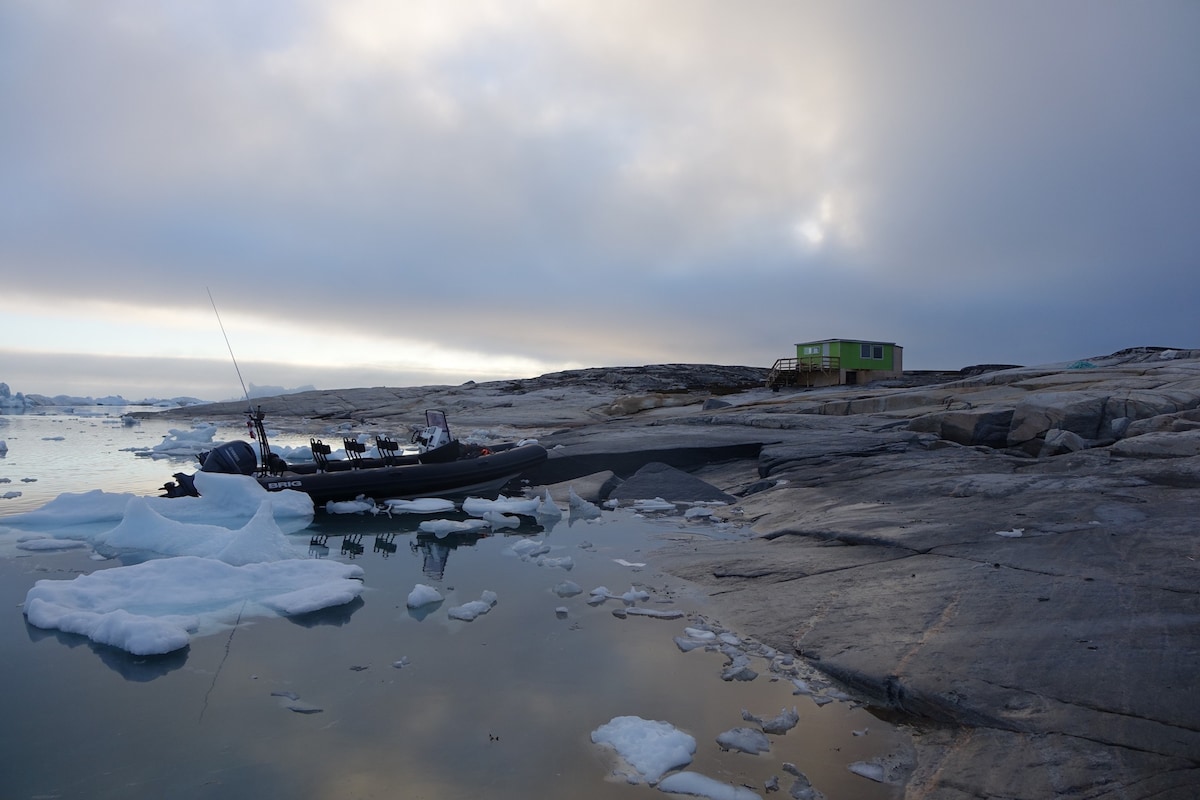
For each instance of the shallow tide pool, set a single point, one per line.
(376, 700)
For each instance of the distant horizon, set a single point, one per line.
(216, 373)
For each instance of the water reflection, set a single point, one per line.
(404, 704)
(436, 551)
(137, 669)
(335, 616)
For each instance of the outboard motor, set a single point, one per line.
(231, 458)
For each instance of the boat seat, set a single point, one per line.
(388, 449)
(320, 452)
(355, 450)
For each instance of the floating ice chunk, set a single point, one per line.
(45, 545)
(561, 612)
(562, 562)
(530, 548)
(423, 505)
(155, 606)
(802, 788)
(226, 500)
(144, 529)
(625, 563)
(802, 686)
(580, 508)
(469, 611)
(868, 769)
(179, 442)
(700, 634)
(1015, 533)
(780, 724)
(444, 527)
(547, 509)
(649, 748)
(635, 595)
(687, 645)
(567, 589)
(744, 740)
(499, 521)
(698, 512)
(693, 783)
(423, 595)
(359, 506)
(657, 613)
(739, 669)
(657, 504)
(477, 506)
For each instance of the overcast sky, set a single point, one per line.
(403, 193)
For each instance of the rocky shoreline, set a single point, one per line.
(1005, 559)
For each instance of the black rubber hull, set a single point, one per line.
(451, 480)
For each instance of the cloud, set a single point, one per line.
(601, 183)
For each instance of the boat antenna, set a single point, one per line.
(254, 418)
(236, 368)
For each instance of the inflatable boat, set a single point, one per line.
(441, 467)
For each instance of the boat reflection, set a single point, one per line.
(435, 551)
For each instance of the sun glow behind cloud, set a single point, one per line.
(180, 333)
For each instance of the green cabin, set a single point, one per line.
(838, 362)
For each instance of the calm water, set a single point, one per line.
(500, 707)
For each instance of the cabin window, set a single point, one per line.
(873, 352)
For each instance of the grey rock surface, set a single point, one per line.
(1008, 561)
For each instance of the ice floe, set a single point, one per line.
(156, 606)
(693, 783)
(478, 506)
(423, 595)
(744, 740)
(469, 611)
(228, 501)
(442, 528)
(648, 749)
(423, 505)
